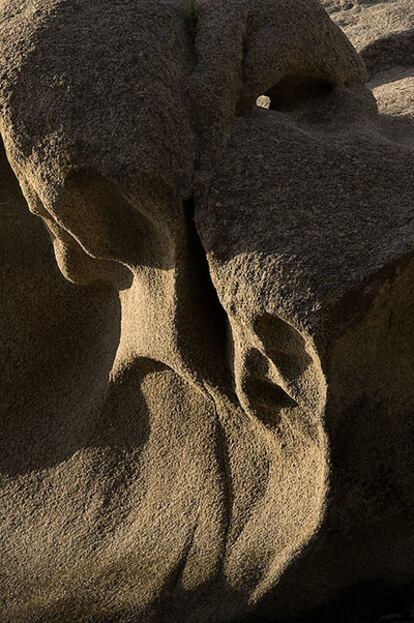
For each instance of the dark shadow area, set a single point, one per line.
(297, 90)
(371, 602)
(174, 607)
(203, 335)
(284, 345)
(264, 397)
(393, 50)
(57, 344)
(398, 129)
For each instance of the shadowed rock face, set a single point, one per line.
(215, 416)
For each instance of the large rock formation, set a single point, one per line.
(217, 418)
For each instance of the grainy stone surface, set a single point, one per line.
(213, 421)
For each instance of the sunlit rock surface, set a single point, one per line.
(211, 417)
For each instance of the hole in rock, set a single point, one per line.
(293, 91)
(266, 400)
(265, 397)
(284, 345)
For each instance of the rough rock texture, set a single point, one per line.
(218, 418)
(383, 32)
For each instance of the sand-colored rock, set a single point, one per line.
(217, 417)
(383, 32)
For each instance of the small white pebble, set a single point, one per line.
(263, 101)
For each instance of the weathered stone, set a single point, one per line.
(217, 418)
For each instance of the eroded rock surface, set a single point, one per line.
(217, 417)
